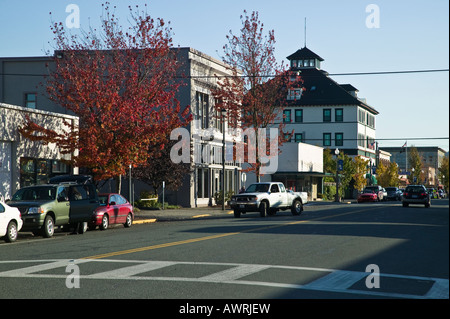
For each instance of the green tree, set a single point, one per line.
(415, 165)
(388, 175)
(444, 173)
(360, 173)
(347, 173)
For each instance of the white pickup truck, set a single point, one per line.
(267, 199)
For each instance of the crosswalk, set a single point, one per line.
(288, 277)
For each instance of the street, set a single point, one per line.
(329, 251)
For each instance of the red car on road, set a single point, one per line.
(113, 209)
(368, 195)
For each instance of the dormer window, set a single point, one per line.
(294, 94)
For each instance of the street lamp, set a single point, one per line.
(223, 112)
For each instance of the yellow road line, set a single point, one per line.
(194, 240)
(204, 215)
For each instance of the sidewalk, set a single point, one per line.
(152, 216)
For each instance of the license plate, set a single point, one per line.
(415, 196)
(242, 206)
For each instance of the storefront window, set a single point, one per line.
(34, 171)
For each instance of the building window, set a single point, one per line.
(294, 94)
(339, 115)
(339, 139)
(361, 116)
(287, 116)
(327, 115)
(287, 137)
(30, 100)
(298, 116)
(361, 140)
(299, 137)
(326, 139)
(35, 171)
(202, 110)
(202, 182)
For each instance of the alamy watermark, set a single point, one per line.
(73, 19)
(73, 279)
(260, 146)
(373, 280)
(373, 19)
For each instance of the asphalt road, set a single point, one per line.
(330, 251)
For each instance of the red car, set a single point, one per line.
(368, 195)
(113, 209)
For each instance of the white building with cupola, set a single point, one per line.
(326, 113)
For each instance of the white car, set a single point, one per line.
(10, 222)
(268, 198)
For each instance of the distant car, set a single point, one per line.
(368, 195)
(442, 193)
(433, 193)
(113, 209)
(10, 222)
(416, 194)
(394, 193)
(375, 189)
(384, 193)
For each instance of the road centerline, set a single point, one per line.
(199, 239)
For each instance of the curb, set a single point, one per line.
(144, 221)
(180, 217)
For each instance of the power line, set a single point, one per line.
(271, 75)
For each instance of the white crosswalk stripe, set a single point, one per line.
(333, 280)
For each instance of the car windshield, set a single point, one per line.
(369, 190)
(391, 189)
(415, 189)
(35, 193)
(257, 188)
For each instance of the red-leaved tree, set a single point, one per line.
(121, 84)
(257, 92)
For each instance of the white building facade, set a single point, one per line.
(24, 162)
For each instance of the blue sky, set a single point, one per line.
(412, 35)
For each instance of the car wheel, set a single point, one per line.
(82, 227)
(427, 205)
(11, 232)
(128, 221)
(405, 204)
(263, 209)
(237, 213)
(105, 222)
(297, 207)
(49, 227)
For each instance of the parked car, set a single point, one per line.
(416, 194)
(65, 201)
(394, 193)
(384, 193)
(368, 195)
(375, 189)
(442, 193)
(267, 199)
(113, 209)
(10, 222)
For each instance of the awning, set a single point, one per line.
(372, 179)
